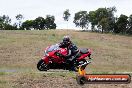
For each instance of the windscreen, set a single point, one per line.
(53, 47)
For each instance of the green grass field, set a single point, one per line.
(21, 50)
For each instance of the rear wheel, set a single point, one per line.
(41, 66)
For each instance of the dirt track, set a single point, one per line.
(61, 82)
(50, 79)
(58, 81)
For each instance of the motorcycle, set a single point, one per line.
(54, 58)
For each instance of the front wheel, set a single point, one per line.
(41, 66)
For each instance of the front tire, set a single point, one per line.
(41, 66)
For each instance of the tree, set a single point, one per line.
(92, 19)
(50, 22)
(19, 17)
(10, 27)
(39, 23)
(66, 16)
(81, 19)
(103, 18)
(101, 15)
(111, 18)
(104, 24)
(129, 31)
(27, 25)
(4, 21)
(1, 23)
(121, 24)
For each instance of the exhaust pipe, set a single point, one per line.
(82, 66)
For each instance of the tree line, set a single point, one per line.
(39, 23)
(101, 20)
(104, 20)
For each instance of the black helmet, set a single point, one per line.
(66, 40)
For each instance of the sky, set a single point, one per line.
(32, 9)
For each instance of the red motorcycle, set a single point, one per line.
(54, 58)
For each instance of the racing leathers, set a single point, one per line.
(72, 51)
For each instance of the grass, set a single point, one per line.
(2, 73)
(21, 50)
(18, 47)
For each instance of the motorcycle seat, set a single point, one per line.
(84, 51)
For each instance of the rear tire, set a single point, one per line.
(41, 66)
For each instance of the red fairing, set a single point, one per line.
(51, 54)
(85, 55)
(63, 51)
(46, 59)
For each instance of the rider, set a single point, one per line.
(71, 48)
